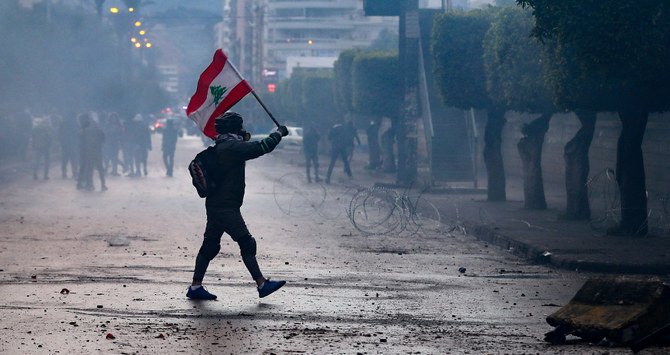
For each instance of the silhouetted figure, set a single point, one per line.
(223, 204)
(310, 144)
(91, 140)
(42, 137)
(339, 138)
(68, 137)
(141, 145)
(351, 135)
(127, 147)
(169, 145)
(113, 135)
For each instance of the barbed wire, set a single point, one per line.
(296, 198)
(604, 199)
(380, 211)
(605, 203)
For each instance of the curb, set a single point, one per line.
(536, 256)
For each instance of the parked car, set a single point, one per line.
(292, 141)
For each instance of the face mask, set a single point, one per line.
(245, 135)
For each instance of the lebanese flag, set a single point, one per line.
(219, 88)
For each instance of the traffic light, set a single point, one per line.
(272, 87)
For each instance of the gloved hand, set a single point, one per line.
(283, 131)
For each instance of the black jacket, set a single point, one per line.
(232, 155)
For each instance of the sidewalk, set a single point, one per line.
(539, 236)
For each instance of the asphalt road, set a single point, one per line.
(346, 293)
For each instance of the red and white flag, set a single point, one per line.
(219, 88)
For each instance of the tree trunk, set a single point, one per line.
(576, 155)
(372, 132)
(530, 149)
(630, 174)
(388, 156)
(493, 154)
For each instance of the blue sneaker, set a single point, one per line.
(270, 287)
(199, 294)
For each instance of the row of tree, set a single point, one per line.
(546, 56)
(539, 57)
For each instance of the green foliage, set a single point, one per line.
(343, 69)
(387, 41)
(317, 98)
(458, 51)
(307, 96)
(611, 55)
(514, 63)
(377, 84)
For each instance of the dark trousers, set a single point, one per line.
(168, 160)
(338, 153)
(312, 158)
(226, 220)
(44, 156)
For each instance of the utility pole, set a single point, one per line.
(406, 123)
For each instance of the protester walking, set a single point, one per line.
(223, 205)
(310, 147)
(42, 137)
(169, 145)
(339, 143)
(91, 140)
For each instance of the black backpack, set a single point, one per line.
(205, 171)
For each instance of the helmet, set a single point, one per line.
(229, 122)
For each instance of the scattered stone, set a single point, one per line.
(64, 291)
(160, 336)
(33, 276)
(118, 241)
(382, 340)
(461, 270)
(110, 336)
(99, 306)
(286, 263)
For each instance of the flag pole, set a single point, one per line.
(256, 96)
(265, 108)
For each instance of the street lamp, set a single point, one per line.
(114, 10)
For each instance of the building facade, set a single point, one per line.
(266, 39)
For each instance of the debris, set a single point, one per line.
(160, 336)
(110, 336)
(118, 241)
(33, 277)
(286, 263)
(99, 306)
(622, 311)
(461, 270)
(64, 291)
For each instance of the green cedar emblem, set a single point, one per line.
(217, 92)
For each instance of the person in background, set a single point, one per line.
(68, 138)
(42, 137)
(339, 144)
(310, 144)
(169, 145)
(113, 132)
(91, 140)
(141, 145)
